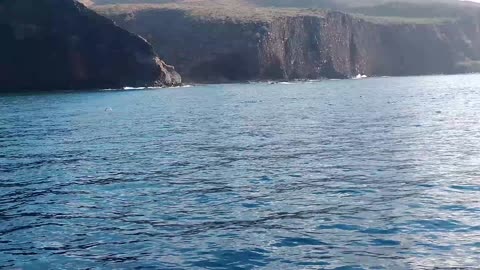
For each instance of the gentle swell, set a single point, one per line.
(357, 174)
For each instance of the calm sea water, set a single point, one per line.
(357, 174)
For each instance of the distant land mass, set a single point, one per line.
(244, 40)
(61, 44)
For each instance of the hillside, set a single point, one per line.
(60, 44)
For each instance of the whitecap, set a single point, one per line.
(133, 88)
(360, 76)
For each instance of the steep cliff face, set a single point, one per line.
(203, 51)
(339, 46)
(309, 45)
(60, 44)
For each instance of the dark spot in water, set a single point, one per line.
(352, 267)
(314, 263)
(250, 205)
(385, 242)
(453, 207)
(298, 241)
(234, 259)
(381, 231)
(344, 227)
(436, 225)
(466, 188)
(436, 247)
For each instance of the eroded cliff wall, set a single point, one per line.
(305, 46)
(61, 44)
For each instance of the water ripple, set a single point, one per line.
(370, 174)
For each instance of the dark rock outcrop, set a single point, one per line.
(61, 44)
(300, 46)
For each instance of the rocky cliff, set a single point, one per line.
(60, 44)
(216, 46)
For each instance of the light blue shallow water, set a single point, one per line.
(361, 174)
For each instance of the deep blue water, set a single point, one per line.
(358, 174)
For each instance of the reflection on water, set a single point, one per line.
(361, 174)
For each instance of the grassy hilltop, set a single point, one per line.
(380, 11)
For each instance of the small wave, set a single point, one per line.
(360, 76)
(181, 86)
(133, 88)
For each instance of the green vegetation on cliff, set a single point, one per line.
(376, 11)
(206, 13)
(422, 10)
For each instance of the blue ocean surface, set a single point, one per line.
(380, 173)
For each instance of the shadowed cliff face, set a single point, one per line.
(60, 44)
(204, 51)
(331, 45)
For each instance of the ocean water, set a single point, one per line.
(380, 173)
